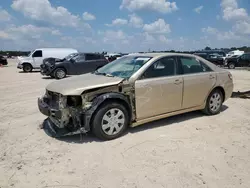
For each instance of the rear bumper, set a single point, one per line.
(4, 62)
(228, 90)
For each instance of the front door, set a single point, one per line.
(77, 65)
(159, 89)
(37, 57)
(199, 79)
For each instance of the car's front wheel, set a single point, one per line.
(110, 121)
(27, 67)
(214, 103)
(60, 73)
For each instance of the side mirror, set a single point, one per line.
(72, 60)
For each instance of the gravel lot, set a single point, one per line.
(190, 150)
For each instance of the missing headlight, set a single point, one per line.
(74, 101)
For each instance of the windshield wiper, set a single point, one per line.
(103, 73)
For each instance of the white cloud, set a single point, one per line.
(4, 35)
(29, 31)
(209, 30)
(158, 26)
(198, 9)
(162, 6)
(118, 21)
(231, 11)
(111, 35)
(56, 32)
(88, 17)
(135, 21)
(163, 39)
(242, 27)
(4, 16)
(42, 10)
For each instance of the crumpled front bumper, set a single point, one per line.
(46, 70)
(55, 125)
(45, 109)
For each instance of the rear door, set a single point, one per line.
(244, 60)
(199, 79)
(94, 61)
(37, 57)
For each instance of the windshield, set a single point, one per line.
(31, 53)
(70, 56)
(123, 67)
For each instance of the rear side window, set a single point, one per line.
(38, 53)
(93, 57)
(246, 56)
(191, 65)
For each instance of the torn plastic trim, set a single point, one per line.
(98, 101)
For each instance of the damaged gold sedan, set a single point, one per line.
(131, 91)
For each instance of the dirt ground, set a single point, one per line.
(185, 151)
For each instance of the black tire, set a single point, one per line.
(210, 106)
(231, 65)
(98, 120)
(27, 67)
(60, 73)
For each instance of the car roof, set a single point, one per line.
(155, 55)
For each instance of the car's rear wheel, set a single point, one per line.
(214, 103)
(231, 65)
(27, 67)
(110, 121)
(60, 73)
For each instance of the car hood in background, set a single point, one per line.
(22, 59)
(77, 84)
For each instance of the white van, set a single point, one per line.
(235, 52)
(36, 57)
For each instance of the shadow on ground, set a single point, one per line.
(78, 139)
(35, 71)
(244, 95)
(47, 78)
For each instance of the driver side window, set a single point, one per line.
(161, 68)
(37, 53)
(80, 59)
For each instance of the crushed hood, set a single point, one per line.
(78, 84)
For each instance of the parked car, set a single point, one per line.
(36, 57)
(74, 64)
(238, 61)
(3, 60)
(235, 52)
(109, 55)
(134, 90)
(215, 58)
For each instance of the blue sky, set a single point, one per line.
(124, 25)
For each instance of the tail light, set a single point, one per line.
(230, 76)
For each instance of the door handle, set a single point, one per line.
(211, 76)
(177, 81)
